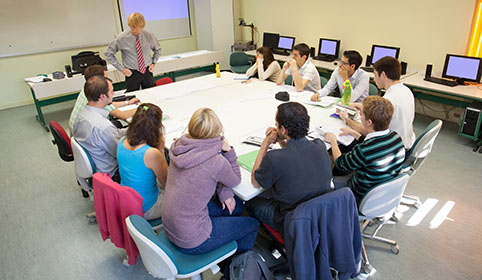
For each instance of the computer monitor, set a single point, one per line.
(329, 47)
(270, 40)
(286, 43)
(382, 51)
(462, 68)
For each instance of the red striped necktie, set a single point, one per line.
(140, 57)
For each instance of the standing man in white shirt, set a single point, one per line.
(304, 72)
(135, 45)
(348, 70)
(387, 76)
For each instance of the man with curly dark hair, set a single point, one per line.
(297, 172)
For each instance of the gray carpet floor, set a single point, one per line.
(44, 233)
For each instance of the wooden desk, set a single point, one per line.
(245, 109)
(56, 91)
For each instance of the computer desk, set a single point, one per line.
(324, 67)
(458, 96)
(245, 109)
(175, 65)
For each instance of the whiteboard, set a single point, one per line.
(33, 26)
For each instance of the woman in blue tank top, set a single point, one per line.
(141, 159)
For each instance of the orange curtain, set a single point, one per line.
(475, 44)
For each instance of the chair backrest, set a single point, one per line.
(62, 140)
(384, 198)
(289, 80)
(372, 89)
(238, 58)
(323, 81)
(84, 166)
(422, 147)
(155, 250)
(163, 81)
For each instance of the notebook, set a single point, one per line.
(326, 101)
(247, 160)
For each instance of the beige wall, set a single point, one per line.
(14, 91)
(424, 29)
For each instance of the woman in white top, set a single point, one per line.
(266, 66)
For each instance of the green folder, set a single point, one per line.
(247, 160)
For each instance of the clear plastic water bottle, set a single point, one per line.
(346, 98)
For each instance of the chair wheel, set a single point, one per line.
(395, 249)
(85, 193)
(394, 218)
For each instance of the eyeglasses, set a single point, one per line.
(344, 62)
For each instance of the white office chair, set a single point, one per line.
(379, 204)
(84, 169)
(163, 260)
(418, 154)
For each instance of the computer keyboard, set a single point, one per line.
(367, 69)
(324, 58)
(280, 52)
(441, 81)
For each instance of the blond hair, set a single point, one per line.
(136, 20)
(204, 124)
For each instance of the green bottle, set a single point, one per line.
(346, 98)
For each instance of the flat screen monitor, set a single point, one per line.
(270, 40)
(329, 47)
(463, 68)
(382, 51)
(286, 43)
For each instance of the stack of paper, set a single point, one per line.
(326, 101)
(345, 139)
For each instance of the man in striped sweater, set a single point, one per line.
(377, 157)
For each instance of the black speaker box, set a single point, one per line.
(404, 67)
(312, 52)
(428, 71)
(368, 62)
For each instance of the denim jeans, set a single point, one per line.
(263, 210)
(227, 228)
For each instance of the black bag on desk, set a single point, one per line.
(249, 265)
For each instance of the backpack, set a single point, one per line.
(250, 266)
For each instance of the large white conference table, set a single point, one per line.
(245, 109)
(60, 90)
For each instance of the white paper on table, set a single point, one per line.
(345, 139)
(326, 101)
(36, 79)
(128, 107)
(119, 92)
(172, 125)
(241, 77)
(315, 135)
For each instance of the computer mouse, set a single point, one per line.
(47, 80)
(336, 63)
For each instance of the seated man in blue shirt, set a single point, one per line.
(94, 132)
(347, 70)
(297, 172)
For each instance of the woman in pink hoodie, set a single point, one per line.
(202, 164)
